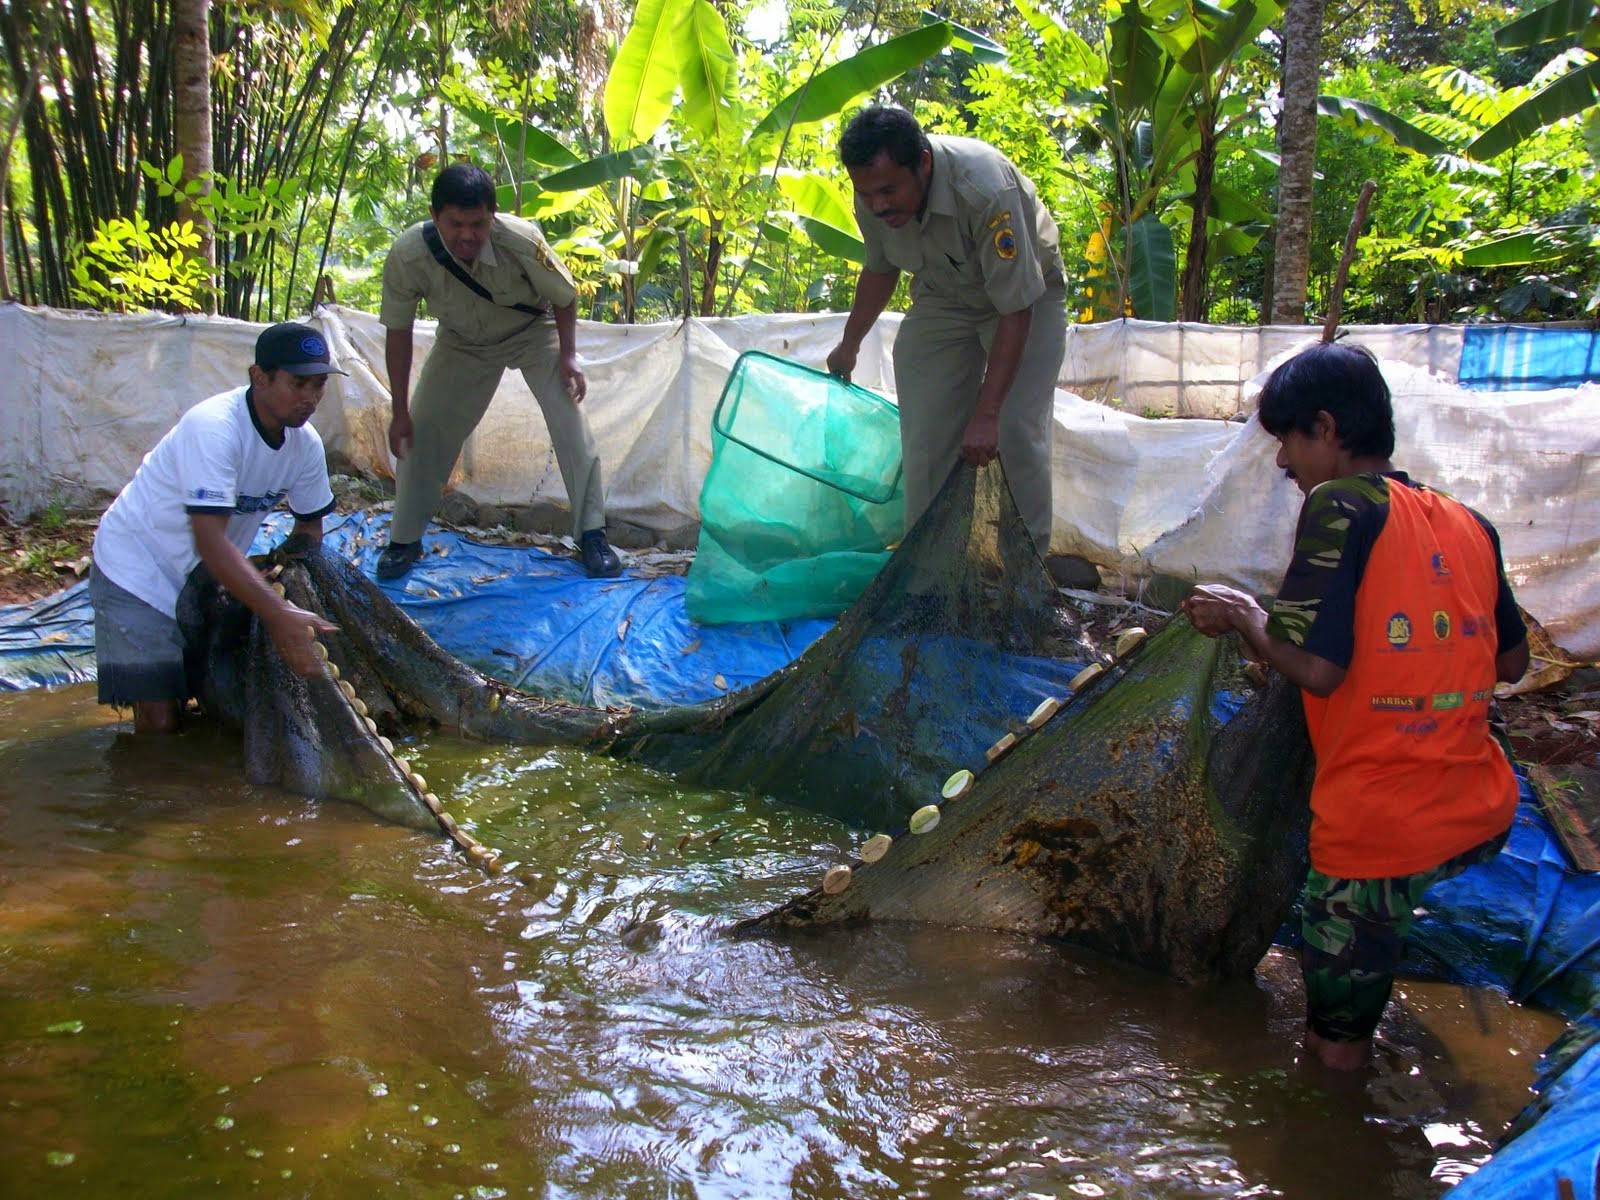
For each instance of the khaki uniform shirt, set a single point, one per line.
(984, 243)
(516, 266)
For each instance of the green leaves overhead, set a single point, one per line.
(644, 76)
(1152, 270)
(1568, 96)
(1520, 249)
(519, 138)
(825, 216)
(608, 168)
(830, 90)
(1370, 119)
(983, 49)
(705, 64)
(1553, 23)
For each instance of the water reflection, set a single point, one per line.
(209, 986)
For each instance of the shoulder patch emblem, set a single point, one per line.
(1001, 219)
(1005, 243)
(547, 260)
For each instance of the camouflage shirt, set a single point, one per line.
(1339, 524)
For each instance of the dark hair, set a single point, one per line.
(464, 186)
(880, 128)
(1343, 381)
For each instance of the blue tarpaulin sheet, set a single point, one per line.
(1515, 358)
(1525, 922)
(521, 614)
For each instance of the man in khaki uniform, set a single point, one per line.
(978, 354)
(493, 285)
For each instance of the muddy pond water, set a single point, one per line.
(208, 988)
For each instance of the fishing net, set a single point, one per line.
(802, 498)
(959, 634)
(1160, 816)
(1148, 800)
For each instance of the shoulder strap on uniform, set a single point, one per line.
(435, 244)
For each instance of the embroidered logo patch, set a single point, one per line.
(1001, 219)
(1441, 625)
(1442, 700)
(1005, 243)
(314, 346)
(1399, 631)
(1440, 567)
(1399, 703)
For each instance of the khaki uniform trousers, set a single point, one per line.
(453, 393)
(940, 355)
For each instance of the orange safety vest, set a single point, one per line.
(1408, 774)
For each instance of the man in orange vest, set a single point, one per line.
(1395, 618)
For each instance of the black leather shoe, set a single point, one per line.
(398, 558)
(599, 559)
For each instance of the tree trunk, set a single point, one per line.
(1297, 148)
(1193, 307)
(191, 94)
(708, 285)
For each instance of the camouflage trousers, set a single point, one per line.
(1354, 933)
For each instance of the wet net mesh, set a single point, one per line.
(959, 634)
(802, 499)
(1156, 811)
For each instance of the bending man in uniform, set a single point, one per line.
(977, 357)
(502, 299)
(199, 497)
(1395, 618)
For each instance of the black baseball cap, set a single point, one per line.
(295, 348)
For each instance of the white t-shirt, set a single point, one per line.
(214, 460)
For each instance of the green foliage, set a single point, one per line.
(127, 265)
(1155, 96)
(1152, 269)
(708, 173)
(678, 164)
(1453, 238)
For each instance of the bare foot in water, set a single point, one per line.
(1341, 1056)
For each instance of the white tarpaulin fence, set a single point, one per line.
(83, 397)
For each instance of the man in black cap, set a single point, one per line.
(199, 497)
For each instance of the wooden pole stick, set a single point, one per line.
(1336, 299)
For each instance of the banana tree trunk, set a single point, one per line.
(1194, 306)
(708, 285)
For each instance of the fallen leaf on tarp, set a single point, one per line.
(1548, 663)
(433, 593)
(58, 636)
(719, 681)
(691, 647)
(622, 630)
